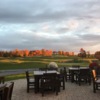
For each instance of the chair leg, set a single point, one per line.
(57, 89)
(27, 88)
(63, 84)
(89, 81)
(68, 77)
(94, 88)
(56, 92)
(42, 91)
(76, 79)
(65, 77)
(79, 81)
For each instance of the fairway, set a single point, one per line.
(37, 62)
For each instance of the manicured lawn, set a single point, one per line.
(36, 62)
(14, 77)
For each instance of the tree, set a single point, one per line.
(1, 53)
(88, 54)
(97, 55)
(60, 52)
(82, 53)
(26, 53)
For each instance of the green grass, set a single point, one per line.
(14, 77)
(25, 65)
(37, 62)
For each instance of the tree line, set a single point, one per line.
(82, 53)
(31, 53)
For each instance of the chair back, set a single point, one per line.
(27, 76)
(8, 91)
(63, 72)
(84, 72)
(49, 78)
(50, 81)
(30, 81)
(50, 75)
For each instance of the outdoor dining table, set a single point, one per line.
(72, 70)
(38, 75)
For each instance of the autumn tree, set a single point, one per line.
(31, 53)
(1, 53)
(43, 52)
(55, 52)
(6, 54)
(97, 55)
(60, 52)
(26, 53)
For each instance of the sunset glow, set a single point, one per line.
(51, 24)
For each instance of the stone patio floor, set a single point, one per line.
(72, 92)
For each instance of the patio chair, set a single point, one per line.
(8, 91)
(62, 79)
(67, 74)
(83, 75)
(50, 81)
(30, 81)
(2, 79)
(96, 81)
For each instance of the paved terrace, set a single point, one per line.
(72, 92)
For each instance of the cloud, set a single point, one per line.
(51, 24)
(35, 11)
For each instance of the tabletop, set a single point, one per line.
(42, 72)
(77, 68)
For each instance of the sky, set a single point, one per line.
(66, 25)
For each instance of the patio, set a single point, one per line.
(72, 92)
